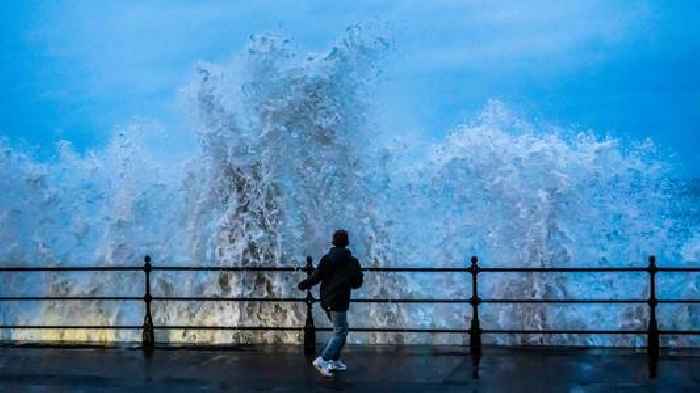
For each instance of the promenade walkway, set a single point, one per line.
(404, 369)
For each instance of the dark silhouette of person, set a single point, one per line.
(338, 272)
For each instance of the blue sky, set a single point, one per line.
(76, 69)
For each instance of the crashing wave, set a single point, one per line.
(287, 153)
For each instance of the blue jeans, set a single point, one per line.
(340, 332)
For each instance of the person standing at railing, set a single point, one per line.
(338, 272)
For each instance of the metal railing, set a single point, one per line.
(474, 331)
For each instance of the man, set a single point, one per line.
(338, 272)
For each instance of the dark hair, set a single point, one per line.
(340, 238)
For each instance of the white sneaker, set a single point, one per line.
(324, 367)
(338, 365)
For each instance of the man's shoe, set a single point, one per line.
(338, 365)
(324, 367)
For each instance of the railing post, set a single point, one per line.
(309, 329)
(653, 329)
(148, 336)
(475, 329)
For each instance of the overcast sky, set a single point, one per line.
(75, 69)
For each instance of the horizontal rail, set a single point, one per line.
(303, 269)
(402, 330)
(680, 332)
(417, 269)
(4, 269)
(407, 269)
(235, 328)
(315, 300)
(594, 332)
(640, 269)
(428, 300)
(83, 327)
(584, 301)
(227, 269)
(693, 269)
(582, 332)
(230, 299)
(562, 269)
(299, 299)
(230, 328)
(69, 298)
(320, 329)
(678, 300)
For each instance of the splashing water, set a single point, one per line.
(287, 153)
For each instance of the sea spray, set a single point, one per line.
(503, 189)
(288, 151)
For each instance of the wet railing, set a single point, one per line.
(474, 331)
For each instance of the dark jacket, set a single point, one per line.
(338, 272)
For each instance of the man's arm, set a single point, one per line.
(356, 280)
(316, 276)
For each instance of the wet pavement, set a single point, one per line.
(372, 369)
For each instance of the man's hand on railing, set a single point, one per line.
(304, 285)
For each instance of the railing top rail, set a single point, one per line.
(228, 268)
(637, 269)
(694, 269)
(71, 269)
(634, 269)
(621, 269)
